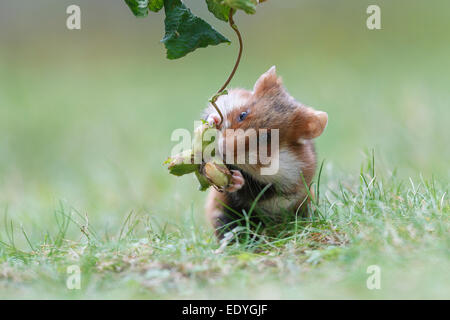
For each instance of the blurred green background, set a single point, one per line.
(86, 116)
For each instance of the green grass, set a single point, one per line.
(401, 226)
(85, 124)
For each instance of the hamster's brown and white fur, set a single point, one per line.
(268, 106)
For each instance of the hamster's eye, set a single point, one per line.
(242, 116)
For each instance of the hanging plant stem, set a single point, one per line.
(222, 90)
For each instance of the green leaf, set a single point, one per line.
(218, 9)
(156, 5)
(182, 169)
(186, 32)
(249, 6)
(181, 163)
(138, 7)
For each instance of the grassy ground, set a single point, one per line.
(400, 227)
(85, 124)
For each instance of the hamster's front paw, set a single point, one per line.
(237, 181)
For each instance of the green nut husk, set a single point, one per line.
(213, 172)
(217, 173)
(204, 182)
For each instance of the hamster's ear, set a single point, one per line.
(308, 123)
(268, 80)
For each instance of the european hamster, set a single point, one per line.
(269, 107)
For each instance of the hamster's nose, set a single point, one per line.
(213, 119)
